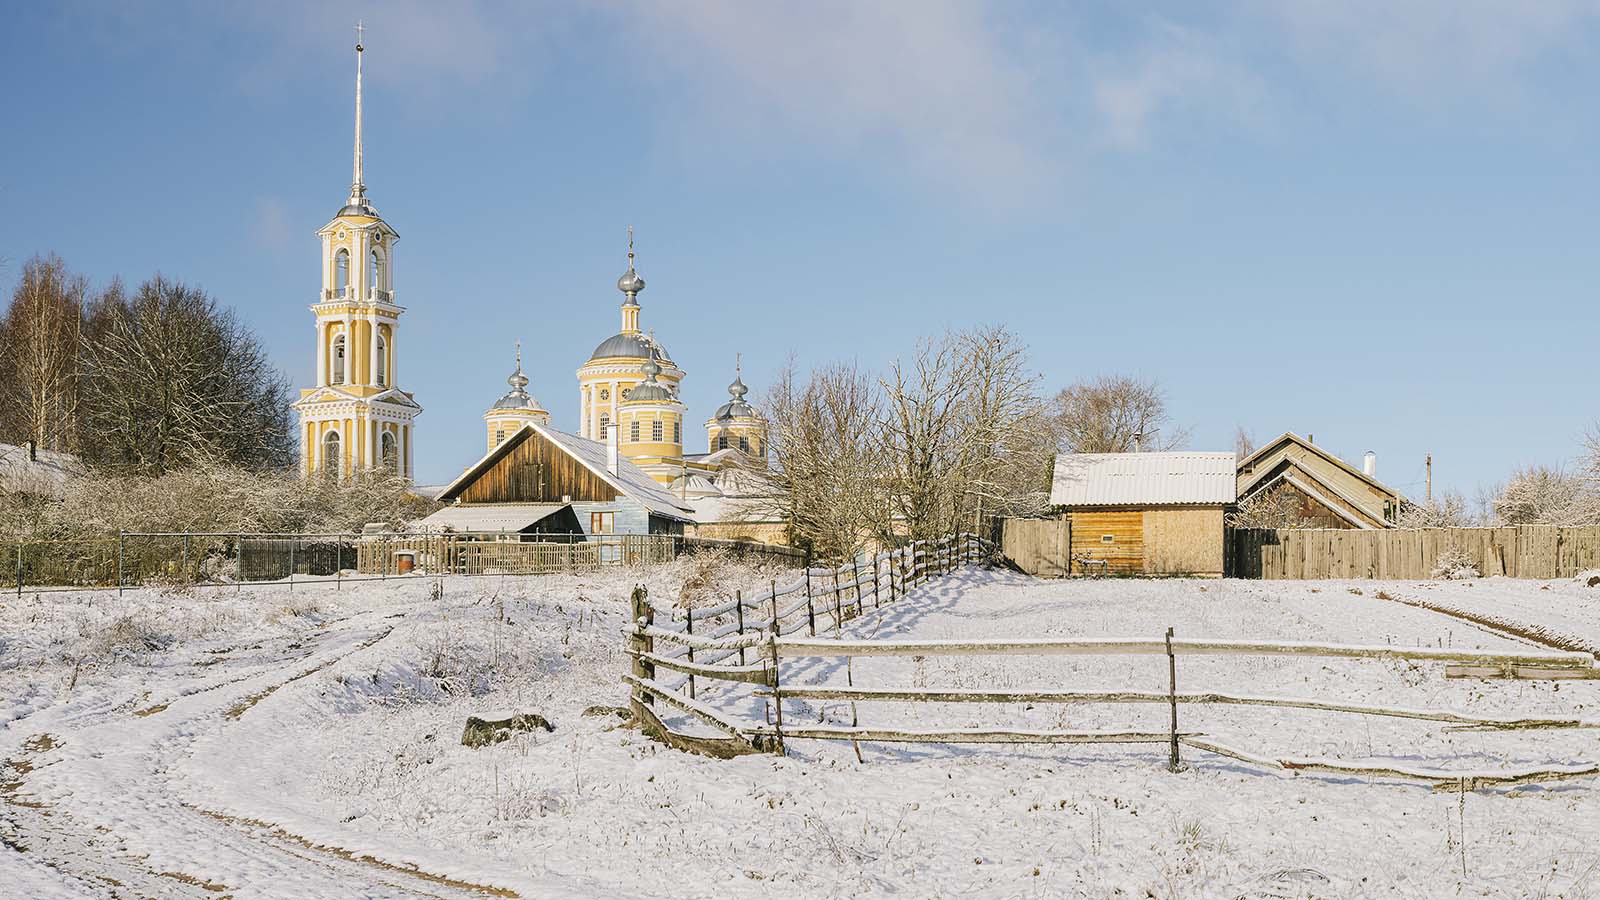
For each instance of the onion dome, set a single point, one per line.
(518, 397)
(651, 391)
(736, 408)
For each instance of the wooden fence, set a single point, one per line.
(1523, 551)
(672, 662)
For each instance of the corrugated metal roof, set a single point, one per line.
(490, 517)
(1143, 479)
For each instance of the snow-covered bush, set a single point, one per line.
(1539, 495)
(1448, 511)
(1455, 564)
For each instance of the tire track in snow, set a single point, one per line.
(68, 836)
(1537, 634)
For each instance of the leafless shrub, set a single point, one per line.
(1455, 564)
(1275, 507)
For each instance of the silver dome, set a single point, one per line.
(630, 283)
(634, 346)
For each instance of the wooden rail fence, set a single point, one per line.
(673, 661)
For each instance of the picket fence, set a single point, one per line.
(742, 643)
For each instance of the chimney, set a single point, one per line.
(1311, 439)
(33, 450)
(1369, 464)
(611, 447)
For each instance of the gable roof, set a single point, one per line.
(1179, 478)
(629, 479)
(490, 517)
(1290, 437)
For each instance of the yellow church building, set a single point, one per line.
(356, 418)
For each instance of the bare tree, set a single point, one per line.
(39, 339)
(1115, 414)
(965, 432)
(1540, 495)
(825, 477)
(171, 378)
(1244, 443)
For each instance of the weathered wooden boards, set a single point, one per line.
(1524, 551)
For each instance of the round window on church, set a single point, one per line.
(625, 392)
(605, 394)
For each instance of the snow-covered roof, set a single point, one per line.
(629, 478)
(46, 474)
(1176, 478)
(489, 517)
(709, 510)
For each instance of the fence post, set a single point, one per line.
(777, 693)
(855, 580)
(738, 606)
(894, 564)
(838, 605)
(119, 563)
(1173, 763)
(19, 570)
(811, 617)
(776, 628)
(642, 643)
(688, 627)
(238, 565)
(876, 600)
(186, 555)
(292, 542)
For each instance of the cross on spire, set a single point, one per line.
(358, 190)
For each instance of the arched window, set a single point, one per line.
(332, 459)
(338, 360)
(633, 431)
(383, 361)
(375, 275)
(341, 273)
(387, 450)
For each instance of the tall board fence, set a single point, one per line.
(1521, 551)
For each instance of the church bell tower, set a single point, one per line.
(356, 418)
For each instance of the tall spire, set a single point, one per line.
(358, 190)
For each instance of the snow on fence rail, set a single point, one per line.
(750, 651)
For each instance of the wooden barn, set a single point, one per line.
(1330, 492)
(543, 481)
(1142, 513)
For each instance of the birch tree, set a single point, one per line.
(39, 339)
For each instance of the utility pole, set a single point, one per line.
(1430, 477)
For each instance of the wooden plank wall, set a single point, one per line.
(1037, 546)
(1125, 553)
(536, 471)
(1523, 551)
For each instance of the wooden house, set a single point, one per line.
(1331, 492)
(1144, 513)
(543, 481)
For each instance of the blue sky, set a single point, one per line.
(1367, 220)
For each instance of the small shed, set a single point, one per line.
(1144, 513)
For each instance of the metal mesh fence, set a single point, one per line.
(212, 559)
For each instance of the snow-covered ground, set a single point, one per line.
(269, 744)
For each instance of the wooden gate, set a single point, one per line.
(1041, 547)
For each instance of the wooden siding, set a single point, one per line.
(1526, 551)
(1124, 554)
(1037, 546)
(537, 471)
(1183, 541)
